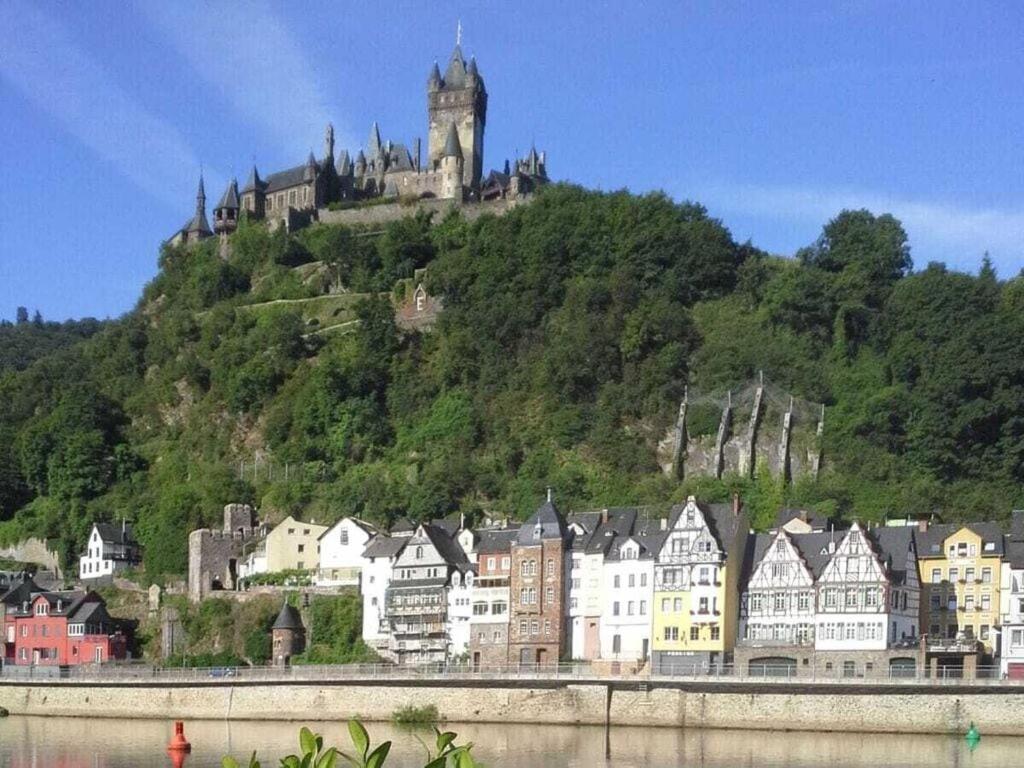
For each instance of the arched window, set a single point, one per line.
(419, 553)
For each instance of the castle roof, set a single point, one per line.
(230, 197)
(374, 144)
(292, 177)
(455, 75)
(254, 183)
(435, 76)
(545, 523)
(288, 618)
(198, 224)
(452, 148)
(309, 173)
(344, 163)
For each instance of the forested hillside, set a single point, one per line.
(571, 327)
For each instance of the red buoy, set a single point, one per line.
(178, 742)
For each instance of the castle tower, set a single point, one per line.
(198, 227)
(452, 166)
(253, 197)
(329, 145)
(288, 636)
(225, 215)
(459, 99)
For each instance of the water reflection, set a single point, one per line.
(51, 742)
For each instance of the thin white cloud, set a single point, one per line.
(41, 60)
(248, 54)
(937, 231)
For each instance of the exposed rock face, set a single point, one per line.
(757, 427)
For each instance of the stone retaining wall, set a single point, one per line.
(823, 708)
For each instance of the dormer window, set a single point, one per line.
(537, 529)
(42, 609)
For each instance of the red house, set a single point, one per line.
(62, 628)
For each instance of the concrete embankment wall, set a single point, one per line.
(744, 706)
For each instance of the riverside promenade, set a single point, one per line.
(564, 694)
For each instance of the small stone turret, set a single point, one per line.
(311, 168)
(288, 636)
(434, 81)
(329, 145)
(451, 165)
(198, 228)
(225, 215)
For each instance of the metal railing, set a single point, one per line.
(769, 674)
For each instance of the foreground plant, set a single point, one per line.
(445, 754)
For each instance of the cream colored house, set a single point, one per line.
(293, 546)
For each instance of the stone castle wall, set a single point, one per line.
(382, 214)
(33, 551)
(747, 706)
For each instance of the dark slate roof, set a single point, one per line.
(399, 158)
(68, 600)
(344, 164)
(198, 223)
(374, 144)
(1017, 525)
(814, 547)
(893, 545)
(230, 197)
(288, 618)
(455, 75)
(445, 545)
(472, 68)
(20, 592)
(385, 546)
(929, 543)
(587, 522)
(496, 541)
(292, 177)
(452, 147)
(1014, 553)
(91, 612)
(403, 525)
(254, 182)
(110, 533)
(620, 524)
(311, 168)
(753, 552)
(435, 75)
(450, 525)
(550, 521)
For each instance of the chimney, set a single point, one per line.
(550, 495)
(604, 515)
(735, 503)
(462, 521)
(922, 526)
(664, 524)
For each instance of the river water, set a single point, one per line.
(53, 742)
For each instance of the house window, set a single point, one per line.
(969, 574)
(547, 626)
(42, 609)
(300, 565)
(549, 594)
(302, 547)
(419, 553)
(505, 563)
(616, 643)
(643, 607)
(804, 601)
(629, 608)
(671, 633)
(983, 633)
(550, 568)
(695, 633)
(954, 575)
(490, 563)
(778, 602)
(715, 633)
(344, 537)
(756, 602)
(665, 602)
(479, 609)
(522, 626)
(643, 579)
(631, 580)
(986, 602)
(778, 570)
(616, 581)
(573, 603)
(499, 608)
(615, 608)
(831, 597)
(677, 605)
(936, 575)
(534, 627)
(986, 575)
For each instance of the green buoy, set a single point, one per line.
(973, 736)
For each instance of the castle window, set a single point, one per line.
(291, 197)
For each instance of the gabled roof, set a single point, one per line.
(720, 518)
(20, 592)
(447, 547)
(288, 618)
(383, 545)
(815, 521)
(497, 541)
(930, 542)
(817, 548)
(615, 523)
(892, 545)
(292, 177)
(547, 521)
(1014, 553)
(110, 533)
(362, 524)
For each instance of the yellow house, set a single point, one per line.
(960, 570)
(696, 579)
(293, 545)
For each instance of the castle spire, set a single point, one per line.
(373, 146)
(329, 144)
(254, 183)
(458, 33)
(199, 227)
(201, 196)
(434, 81)
(452, 147)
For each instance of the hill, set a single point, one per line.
(571, 327)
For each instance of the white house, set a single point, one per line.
(628, 598)
(378, 561)
(341, 552)
(1011, 601)
(110, 550)
(777, 607)
(868, 593)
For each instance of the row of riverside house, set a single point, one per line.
(693, 590)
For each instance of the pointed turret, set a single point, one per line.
(360, 168)
(373, 144)
(471, 70)
(225, 215)
(344, 166)
(452, 147)
(434, 81)
(309, 174)
(254, 183)
(199, 227)
(455, 75)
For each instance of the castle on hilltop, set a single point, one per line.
(452, 169)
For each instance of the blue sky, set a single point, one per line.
(774, 115)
